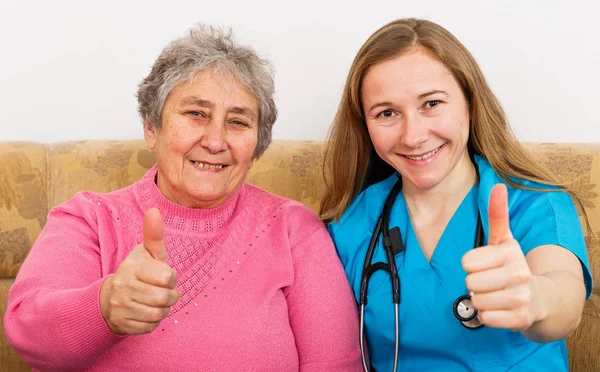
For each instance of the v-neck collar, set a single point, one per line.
(458, 225)
(443, 273)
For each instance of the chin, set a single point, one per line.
(425, 183)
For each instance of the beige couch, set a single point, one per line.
(34, 177)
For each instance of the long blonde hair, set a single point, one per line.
(351, 164)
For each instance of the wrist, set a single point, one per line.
(105, 301)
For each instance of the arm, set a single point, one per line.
(322, 309)
(53, 319)
(533, 283)
(560, 293)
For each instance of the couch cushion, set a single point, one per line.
(292, 169)
(581, 163)
(9, 361)
(23, 204)
(100, 166)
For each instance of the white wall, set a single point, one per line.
(70, 69)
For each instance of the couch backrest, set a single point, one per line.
(34, 177)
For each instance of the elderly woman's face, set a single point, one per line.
(205, 145)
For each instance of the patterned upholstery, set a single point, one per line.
(34, 177)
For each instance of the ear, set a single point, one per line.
(150, 135)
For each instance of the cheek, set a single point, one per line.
(453, 126)
(244, 149)
(383, 138)
(180, 141)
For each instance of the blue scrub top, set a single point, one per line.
(431, 338)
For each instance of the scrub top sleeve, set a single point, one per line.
(331, 229)
(551, 218)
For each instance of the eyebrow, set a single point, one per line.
(379, 105)
(194, 101)
(432, 92)
(243, 111)
(421, 96)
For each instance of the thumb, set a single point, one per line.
(498, 215)
(154, 235)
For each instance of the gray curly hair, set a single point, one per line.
(209, 47)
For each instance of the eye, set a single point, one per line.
(432, 104)
(386, 114)
(195, 113)
(240, 123)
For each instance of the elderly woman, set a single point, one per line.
(190, 268)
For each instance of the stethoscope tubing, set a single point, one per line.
(362, 337)
(470, 321)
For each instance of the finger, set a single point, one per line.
(154, 235)
(497, 278)
(483, 258)
(145, 314)
(152, 295)
(157, 273)
(133, 327)
(516, 320)
(504, 299)
(498, 217)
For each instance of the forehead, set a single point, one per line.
(220, 88)
(411, 73)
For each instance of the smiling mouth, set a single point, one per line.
(202, 165)
(423, 156)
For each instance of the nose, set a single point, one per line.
(213, 138)
(414, 132)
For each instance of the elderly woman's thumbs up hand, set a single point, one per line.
(505, 290)
(141, 292)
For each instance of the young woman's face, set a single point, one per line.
(417, 117)
(206, 143)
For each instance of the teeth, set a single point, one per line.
(423, 157)
(207, 166)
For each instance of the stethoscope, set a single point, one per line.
(392, 243)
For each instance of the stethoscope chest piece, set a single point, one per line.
(465, 312)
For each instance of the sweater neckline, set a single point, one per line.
(183, 218)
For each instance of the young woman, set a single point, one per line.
(418, 126)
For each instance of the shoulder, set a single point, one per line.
(360, 217)
(299, 220)
(90, 206)
(366, 207)
(537, 216)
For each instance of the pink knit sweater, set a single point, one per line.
(261, 288)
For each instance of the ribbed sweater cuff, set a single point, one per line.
(83, 329)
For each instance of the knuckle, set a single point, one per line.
(114, 302)
(166, 276)
(156, 314)
(520, 275)
(523, 317)
(117, 283)
(522, 297)
(162, 297)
